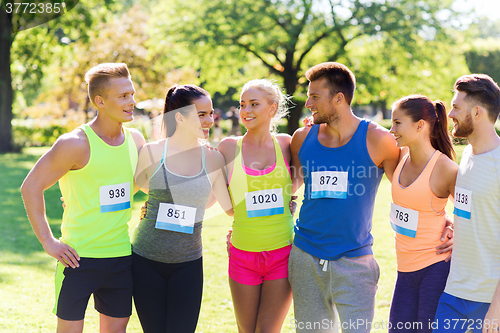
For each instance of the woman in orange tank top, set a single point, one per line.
(422, 183)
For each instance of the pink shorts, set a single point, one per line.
(252, 268)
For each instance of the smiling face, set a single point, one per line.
(201, 118)
(320, 102)
(403, 128)
(461, 114)
(255, 109)
(117, 101)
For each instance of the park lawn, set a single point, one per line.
(26, 272)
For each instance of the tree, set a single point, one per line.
(6, 93)
(281, 34)
(15, 21)
(483, 56)
(387, 70)
(30, 37)
(123, 38)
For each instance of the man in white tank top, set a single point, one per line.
(471, 300)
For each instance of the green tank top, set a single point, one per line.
(261, 198)
(99, 197)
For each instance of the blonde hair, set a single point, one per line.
(97, 78)
(273, 94)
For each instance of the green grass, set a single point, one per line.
(26, 272)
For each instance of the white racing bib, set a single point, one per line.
(114, 197)
(404, 221)
(264, 202)
(463, 202)
(329, 184)
(175, 218)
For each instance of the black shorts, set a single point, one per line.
(109, 279)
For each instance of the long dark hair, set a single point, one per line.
(421, 107)
(178, 97)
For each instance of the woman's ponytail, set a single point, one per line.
(440, 137)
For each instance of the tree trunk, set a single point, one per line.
(6, 93)
(291, 81)
(386, 113)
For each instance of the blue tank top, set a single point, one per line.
(337, 223)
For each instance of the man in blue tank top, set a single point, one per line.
(341, 160)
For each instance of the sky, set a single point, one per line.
(489, 8)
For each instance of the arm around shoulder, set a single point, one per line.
(383, 149)
(138, 138)
(298, 139)
(227, 147)
(217, 174)
(444, 177)
(147, 163)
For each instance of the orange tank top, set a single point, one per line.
(418, 251)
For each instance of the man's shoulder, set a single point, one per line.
(137, 136)
(283, 137)
(298, 138)
(303, 130)
(154, 147)
(74, 140)
(301, 134)
(70, 150)
(379, 136)
(376, 131)
(382, 148)
(133, 131)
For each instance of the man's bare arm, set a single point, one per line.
(69, 152)
(296, 169)
(383, 149)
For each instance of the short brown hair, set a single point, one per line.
(481, 88)
(98, 77)
(340, 78)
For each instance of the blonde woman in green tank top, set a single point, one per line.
(180, 174)
(261, 187)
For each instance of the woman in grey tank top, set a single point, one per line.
(180, 174)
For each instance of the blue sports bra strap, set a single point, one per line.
(164, 152)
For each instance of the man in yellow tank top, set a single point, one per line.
(94, 165)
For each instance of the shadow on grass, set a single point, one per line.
(17, 236)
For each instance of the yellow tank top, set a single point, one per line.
(98, 198)
(261, 198)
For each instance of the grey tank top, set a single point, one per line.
(164, 186)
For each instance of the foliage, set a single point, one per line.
(42, 124)
(385, 71)
(28, 53)
(230, 41)
(485, 28)
(122, 39)
(483, 56)
(62, 102)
